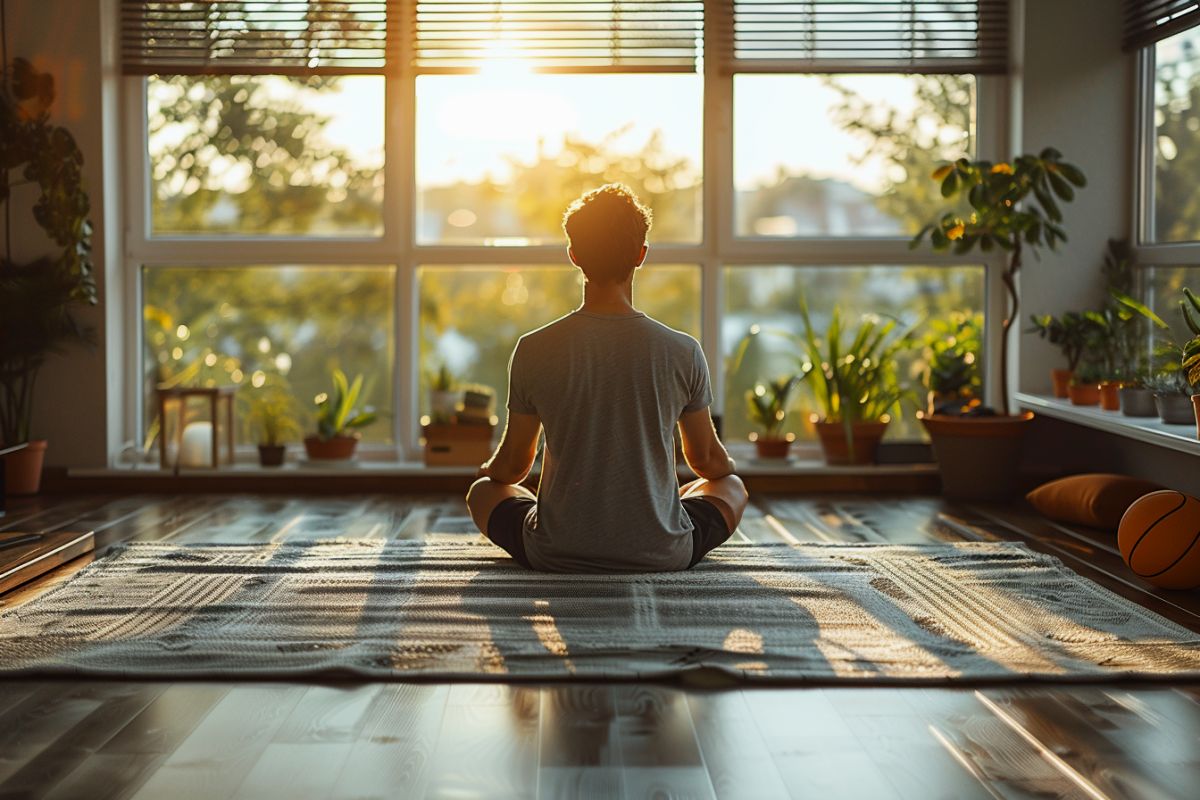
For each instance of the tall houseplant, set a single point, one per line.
(1190, 306)
(38, 299)
(1015, 209)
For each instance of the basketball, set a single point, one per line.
(1159, 537)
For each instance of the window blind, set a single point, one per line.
(926, 36)
(559, 35)
(297, 37)
(1149, 21)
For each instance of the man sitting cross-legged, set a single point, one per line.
(608, 384)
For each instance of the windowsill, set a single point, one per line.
(1143, 429)
(747, 467)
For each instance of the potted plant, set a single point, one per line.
(271, 417)
(949, 365)
(767, 406)
(1014, 209)
(338, 421)
(1084, 388)
(443, 397)
(854, 383)
(1071, 334)
(38, 299)
(1172, 396)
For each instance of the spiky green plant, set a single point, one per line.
(855, 381)
(1190, 306)
(336, 414)
(767, 404)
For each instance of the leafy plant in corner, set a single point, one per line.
(39, 299)
(1015, 207)
(336, 414)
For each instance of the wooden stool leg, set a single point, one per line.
(229, 426)
(216, 441)
(162, 430)
(179, 431)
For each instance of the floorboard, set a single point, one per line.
(177, 740)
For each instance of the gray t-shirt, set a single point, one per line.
(609, 391)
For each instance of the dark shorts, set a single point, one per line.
(506, 527)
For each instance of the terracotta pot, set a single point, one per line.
(837, 448)
(271, 455)
(1137, 402)
(1060, 379)
(1110, 395)
(979, 458)
(1175, 409)
(1084, 394)
(772, 448)
(1196, 408)
(339, 448)
(23, 469)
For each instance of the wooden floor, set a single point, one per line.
(265, 740)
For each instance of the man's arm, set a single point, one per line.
(516, 452)
(702, 450)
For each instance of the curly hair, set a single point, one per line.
(607, 228)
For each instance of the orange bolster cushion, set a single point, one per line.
(1097, 500)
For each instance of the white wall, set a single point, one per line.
(1074, 90)
(65, 38)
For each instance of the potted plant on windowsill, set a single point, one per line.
(443, 397)
(271, 417)
(1172, 396)
(338, 421)
(767, 407)
(39, 300)
(1084, 388)
(1070, 333)
(854, 383)
(1015, 208)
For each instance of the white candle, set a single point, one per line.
(196, 448)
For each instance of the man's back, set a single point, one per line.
(608, 391)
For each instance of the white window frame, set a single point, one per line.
(718, 247)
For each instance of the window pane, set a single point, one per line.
(266, 154)
(769, 297)
(294, 325)
(1176, 212)
(472, 317)
(1164, 290)
(845, 155)
(500, 156)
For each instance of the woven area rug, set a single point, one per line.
(462, 611)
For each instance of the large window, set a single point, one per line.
(845, 155)
(319, 195)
